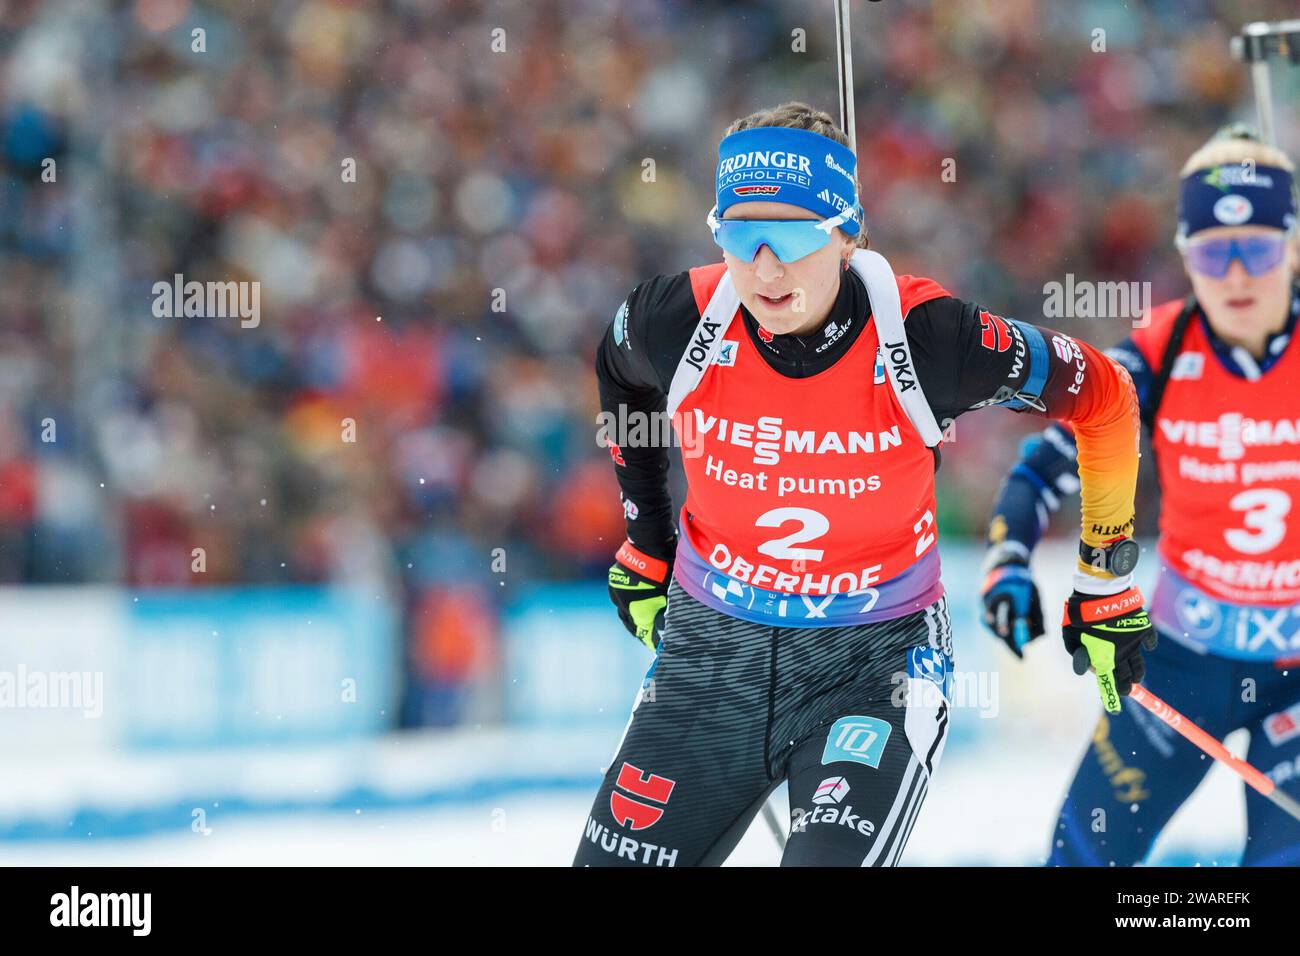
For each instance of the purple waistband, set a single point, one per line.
(916, 588)
(1250, 632)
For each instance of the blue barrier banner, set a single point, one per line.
(246, 665)
(568, 660)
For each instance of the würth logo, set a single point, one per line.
(993, 333)
(633, 813)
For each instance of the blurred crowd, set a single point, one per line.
(444, 203)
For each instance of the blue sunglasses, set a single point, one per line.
(1213, 257)
(789, 239)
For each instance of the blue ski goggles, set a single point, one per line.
(789, 239)
(1258, 254)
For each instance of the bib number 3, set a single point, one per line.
(1265, 520)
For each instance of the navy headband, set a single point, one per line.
(1236, 194)
(795, 166)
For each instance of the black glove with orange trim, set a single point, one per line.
(1105, 633)
(638, 586)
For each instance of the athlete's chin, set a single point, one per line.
(775, 327)
(780, 319)
(1241, 316)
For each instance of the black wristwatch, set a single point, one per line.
(1117, 558)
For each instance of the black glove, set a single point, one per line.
(638, 586)
(1106, 633)
(1012, 609)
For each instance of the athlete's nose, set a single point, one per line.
(1237, 274)
(767, 267)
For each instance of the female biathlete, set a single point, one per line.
(1218, 378)
(806, 634)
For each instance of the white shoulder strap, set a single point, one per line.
(882, 289)
(887, 311)
(706, 342)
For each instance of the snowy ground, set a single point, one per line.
(983, 810)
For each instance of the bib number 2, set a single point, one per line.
(814, 524)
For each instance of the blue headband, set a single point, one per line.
(1235, 195)
(795, 166)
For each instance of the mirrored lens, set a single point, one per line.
(1261, 254)
(1209, 257)
(1258, 254)
(789, 239)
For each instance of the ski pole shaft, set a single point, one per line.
(1173, 719)
(773, 821)
(1263, 101)
(1256, 43)
(844, 58)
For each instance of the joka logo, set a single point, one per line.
(616, 453)
(726, 354)
(859, 739)
(831, 790)
(705, 333)
(899, 359)
(755, 190)
(764, 334)
(633, 813)
(993, 333)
